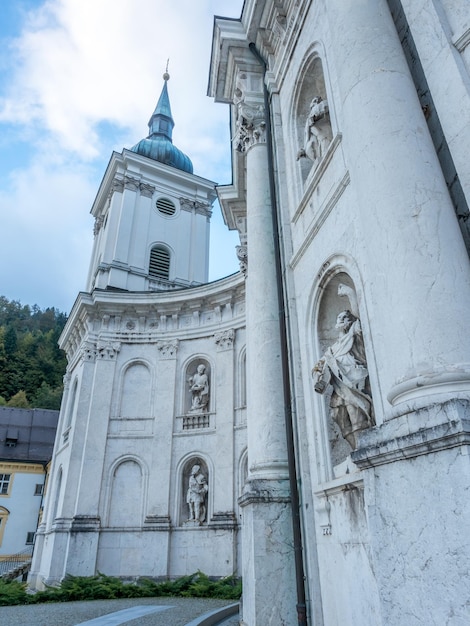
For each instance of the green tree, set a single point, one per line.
(29, 354)
(19, 400)
(47, 398)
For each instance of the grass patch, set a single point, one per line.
(102, 587)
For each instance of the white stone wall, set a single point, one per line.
(22, 504)
(121, 503)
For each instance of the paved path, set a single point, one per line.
(134, 612)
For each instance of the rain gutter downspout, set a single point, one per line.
(295, 504)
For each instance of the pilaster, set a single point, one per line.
(268, 557)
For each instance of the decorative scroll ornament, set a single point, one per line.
(168, 349)
(131, 183)
(250, 121)
(225, 339)
(146, 190)
(249, 133)
(242, 256)
(195, 205)
(98, 225)
(117, 185)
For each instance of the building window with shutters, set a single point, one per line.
(159, 266)
(4, 484)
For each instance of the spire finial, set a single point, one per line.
(166, 76)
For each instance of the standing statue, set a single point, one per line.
(196, 495)
(344, 367)
(317, 133)
(199, 388)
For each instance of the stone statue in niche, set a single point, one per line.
(199, 388)
(344, 367)
(317, 133)
(196, 495)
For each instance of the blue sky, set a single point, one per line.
(78, 79)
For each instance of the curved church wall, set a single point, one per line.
(158, 378)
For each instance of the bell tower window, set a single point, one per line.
(159, 265)
(165, 206)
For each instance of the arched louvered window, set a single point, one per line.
(159, 265)
(166, 206)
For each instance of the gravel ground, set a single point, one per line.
(71, 613)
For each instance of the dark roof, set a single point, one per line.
(27, 434)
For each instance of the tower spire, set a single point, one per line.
(159, 143)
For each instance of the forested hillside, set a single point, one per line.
(31, 364)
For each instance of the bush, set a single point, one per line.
(12, 592)
(102, 587)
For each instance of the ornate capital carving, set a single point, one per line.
(197, 206)
(88, 351)
(242, 256)
(250, 119)
(131, 183)
(224, 340)
(107, 350)
(146, 190)
(117, 185)
(168, 349)
(249, 133)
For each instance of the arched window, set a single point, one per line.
(159, 265)
(4, 513)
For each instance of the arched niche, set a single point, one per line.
(4, 514)
(195, 492)
(57, 495)
(242, 471)
(198, 391)
(313, 131)
(126, 495)
(135, 393)
(340, 375)
(70, 410)
(242, 378)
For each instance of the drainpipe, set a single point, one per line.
(295, 504)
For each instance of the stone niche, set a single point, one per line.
(347, 405)
(194, 493)
(313, 125)
(197, 395)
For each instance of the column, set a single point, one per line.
(417, 296)
(414, 262)
(268, 558)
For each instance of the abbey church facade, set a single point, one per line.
(305, 422)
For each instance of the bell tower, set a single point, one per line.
(152, 215)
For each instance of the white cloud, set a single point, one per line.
(82, 62)
(83, 78)
(47, 234)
